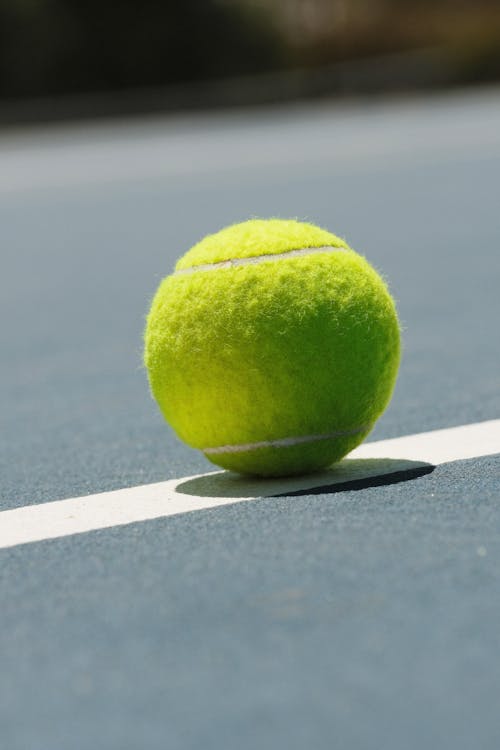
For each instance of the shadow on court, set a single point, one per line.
(348, 476)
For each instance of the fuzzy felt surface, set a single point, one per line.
(305, 345)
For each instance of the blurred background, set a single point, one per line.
(70, 58)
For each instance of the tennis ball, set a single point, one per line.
(273, 347)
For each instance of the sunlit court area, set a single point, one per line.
(250, 381)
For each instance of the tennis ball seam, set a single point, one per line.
(284, 442)
(256, 259)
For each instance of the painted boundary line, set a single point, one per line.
(34, 523)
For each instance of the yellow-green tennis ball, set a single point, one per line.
(273, 347)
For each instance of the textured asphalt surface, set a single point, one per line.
(363, 619)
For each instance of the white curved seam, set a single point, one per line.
(283, 442)
(255, 259)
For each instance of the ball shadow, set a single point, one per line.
(348, 476)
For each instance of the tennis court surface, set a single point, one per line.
(157, 606)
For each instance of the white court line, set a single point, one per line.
(62, 518)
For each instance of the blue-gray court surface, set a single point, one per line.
(362, 618)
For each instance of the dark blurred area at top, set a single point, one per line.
(114, 57)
